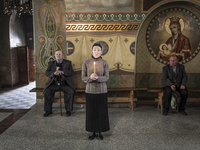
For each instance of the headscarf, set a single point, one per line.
(97, 44)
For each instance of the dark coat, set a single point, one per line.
(67, 69)
(167, 75)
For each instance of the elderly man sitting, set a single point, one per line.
(174, 78)
(59, 73)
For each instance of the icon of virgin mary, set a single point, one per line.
(178, 43)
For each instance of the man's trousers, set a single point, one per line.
(49, 96)
(168, 95)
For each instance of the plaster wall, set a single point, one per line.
(148, 69)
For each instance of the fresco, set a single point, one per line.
(173, 31)
(98, 5)
(118, 50)
(50, 19)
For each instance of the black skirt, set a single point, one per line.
(97, 113)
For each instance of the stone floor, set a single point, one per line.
(18, 97)
(143, 129)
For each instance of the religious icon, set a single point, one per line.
(165, 50)
(173, 31)
(177, 44)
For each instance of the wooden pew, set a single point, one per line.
(130, 99)
(160, 98)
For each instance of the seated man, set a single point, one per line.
(174, 78)
(59, 73)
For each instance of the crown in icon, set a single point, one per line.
(174, 19)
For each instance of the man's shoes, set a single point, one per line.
(165, 113)
(91, 136)
(100, 136)
(68, 113)
(47, 113)
(183, 112)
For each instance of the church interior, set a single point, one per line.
(137, 42)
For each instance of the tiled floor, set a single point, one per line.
(18, 97)
(14, 103)
(9, 117)
(143, 129)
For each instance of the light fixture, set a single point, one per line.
(20, 6)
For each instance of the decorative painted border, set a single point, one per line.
(154, 19)
(104, 17)
(101, 27)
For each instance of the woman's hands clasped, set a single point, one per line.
(93, 76)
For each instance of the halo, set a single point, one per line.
(151, 27)
(161, 45)
(167, 23)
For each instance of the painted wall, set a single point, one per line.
(99, 5)
(76, 28)
(49, 34)
(115, 26)
(153, 32)
(75, 32)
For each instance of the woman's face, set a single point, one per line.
(96, 51)
(174, 29)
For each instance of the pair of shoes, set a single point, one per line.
(47, 113)
(68, 113)
(183, 112)
(91, 136)
(165, 113)
(100, 136)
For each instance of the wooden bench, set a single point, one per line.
(130, 99)
(160, 98)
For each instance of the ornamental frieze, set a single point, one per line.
(99, 17)
(101, 27)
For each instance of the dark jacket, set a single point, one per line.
(66, 68)
(167, 75)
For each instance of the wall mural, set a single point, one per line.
(174, 31)
(70, 48)
(50, 40)
(101, 10)
(106, 17)
(99, 5)
(105, 47)
(132, 48)
(101, 27)
(119, 50)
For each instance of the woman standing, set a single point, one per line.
(95, 72)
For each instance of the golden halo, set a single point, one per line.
(167, 23)
(161, 45)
